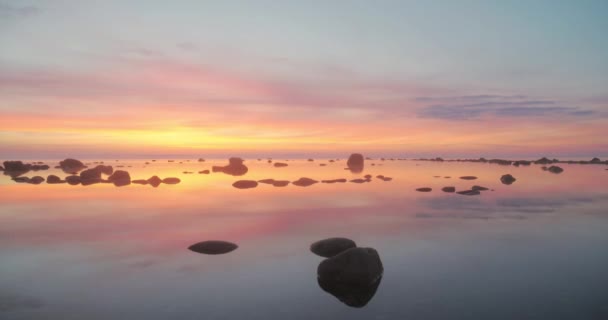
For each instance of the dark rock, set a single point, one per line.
(90, 174)
(354, 266)
(555, 169)
(21, 179)
(204, 172)
(155, 181)
(507, 179)
(543, 160)
(469, 192)
(280, 183)
(71, 166)
(334, 181)
(279, 164)
(448, 189)
(73, 180)
(311, 160)
(120, 178)
(304, 182)
(213, 247)
(187, 172)
(596, 160)
(36, 180)
(355, 162)
(1, 168)
(266, 181)
(171, 180)
(245, 184)
(352, 295)
(140, 181)
(235, 167)
(359, 180)
(16, 168)
(53, 179)
(201, 160)
(107, 170)
(479, 188)
(322, 164)
(424, 189)
(468, 177)
(332, 246)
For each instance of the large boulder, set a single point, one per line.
(213, 247)
(356, 162)
(331, 246)
(71, 166)
(235, 167)
(120, 178)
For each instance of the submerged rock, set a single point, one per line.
(304, 182)
(72, 166)
(235, 167)
(355, 162)
(424, 189)
(448, 189)
(555, 169)
(507, 179)
(245, 184)
(331, 246)
(213, 247)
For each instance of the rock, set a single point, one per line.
(332, 246)
(187, 172)
(1, 168)
(201, 160)
(204, 172)
(171, 180)
(448, 189)
(367, 176)
(53, 179)
(322, 164)
(424, 189)
(334, 181)
(213, 247)
(16, 168)
(468, 177)
(107, 170)
(352, 295)
(71, 166)
(266, 181)
(311, 160)
(140, 181)
(304, 182)
(447, 177)
(383, 178)
(36, 180)
(507, 179)
(355, 162)
(235, 167)
(120, 178)
(359, 180)
(155, 181)
(356, 266)
(245, 184)
(21, 179)
(90, 174)
(469, 192)
(73, 180)
(555, 169)
(479, 188)
(596, 160)
(543, 160)
(279, 164)
(280, 183)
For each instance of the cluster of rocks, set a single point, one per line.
(18, 168)
(350, 273)
(302, 182)
(517, 163)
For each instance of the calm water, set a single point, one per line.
(537, 249)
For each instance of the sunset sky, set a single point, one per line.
(253, 78)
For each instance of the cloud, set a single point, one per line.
(472, 107)
(9, 11)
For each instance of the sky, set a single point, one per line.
(514, 79)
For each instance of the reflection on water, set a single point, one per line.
(102, 252)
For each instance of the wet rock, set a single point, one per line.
(140, 181)
(73, 180)
(448, 189)
(213, 247)
(155, 181)
(120, 178)
(304, 182)
(280, 164)
(468, 177)
(71, 166)
(204, 172)
(235, 167)
(53, 179)
(507, 179)
(355, 162)
(479, 188)
(171, 180)
(424, 189)
(469, 192)
(354, 266)
(245, 184)
(555, 169)
(332, 246)
(334, 181)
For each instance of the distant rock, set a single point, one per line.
(71, 166)
(36, 180)
(53, 179)
(304, 182)
(595, 160)
(555, 169)
(155, 181)
(311, 160)
(424, 189)
(448, 189)
(479, 188)
(187, 172)
(355, 162)
(107, 170)
(280, 164)
(73, 180)
(204, 172)
(171, 180)
(322, 164)
(468, 177)
(90, 175)
(469, 192)
(120, 178)
(447, 177)
(383, 178)
(507, 179)
(235, 167)
(21, 179)
(213, 247)
(16, 168)
(332, 246)
(359, 180)
(543, 160)
(266, 181)
(201, 160)
(280, 183)
(334, 181)
(245, 184)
